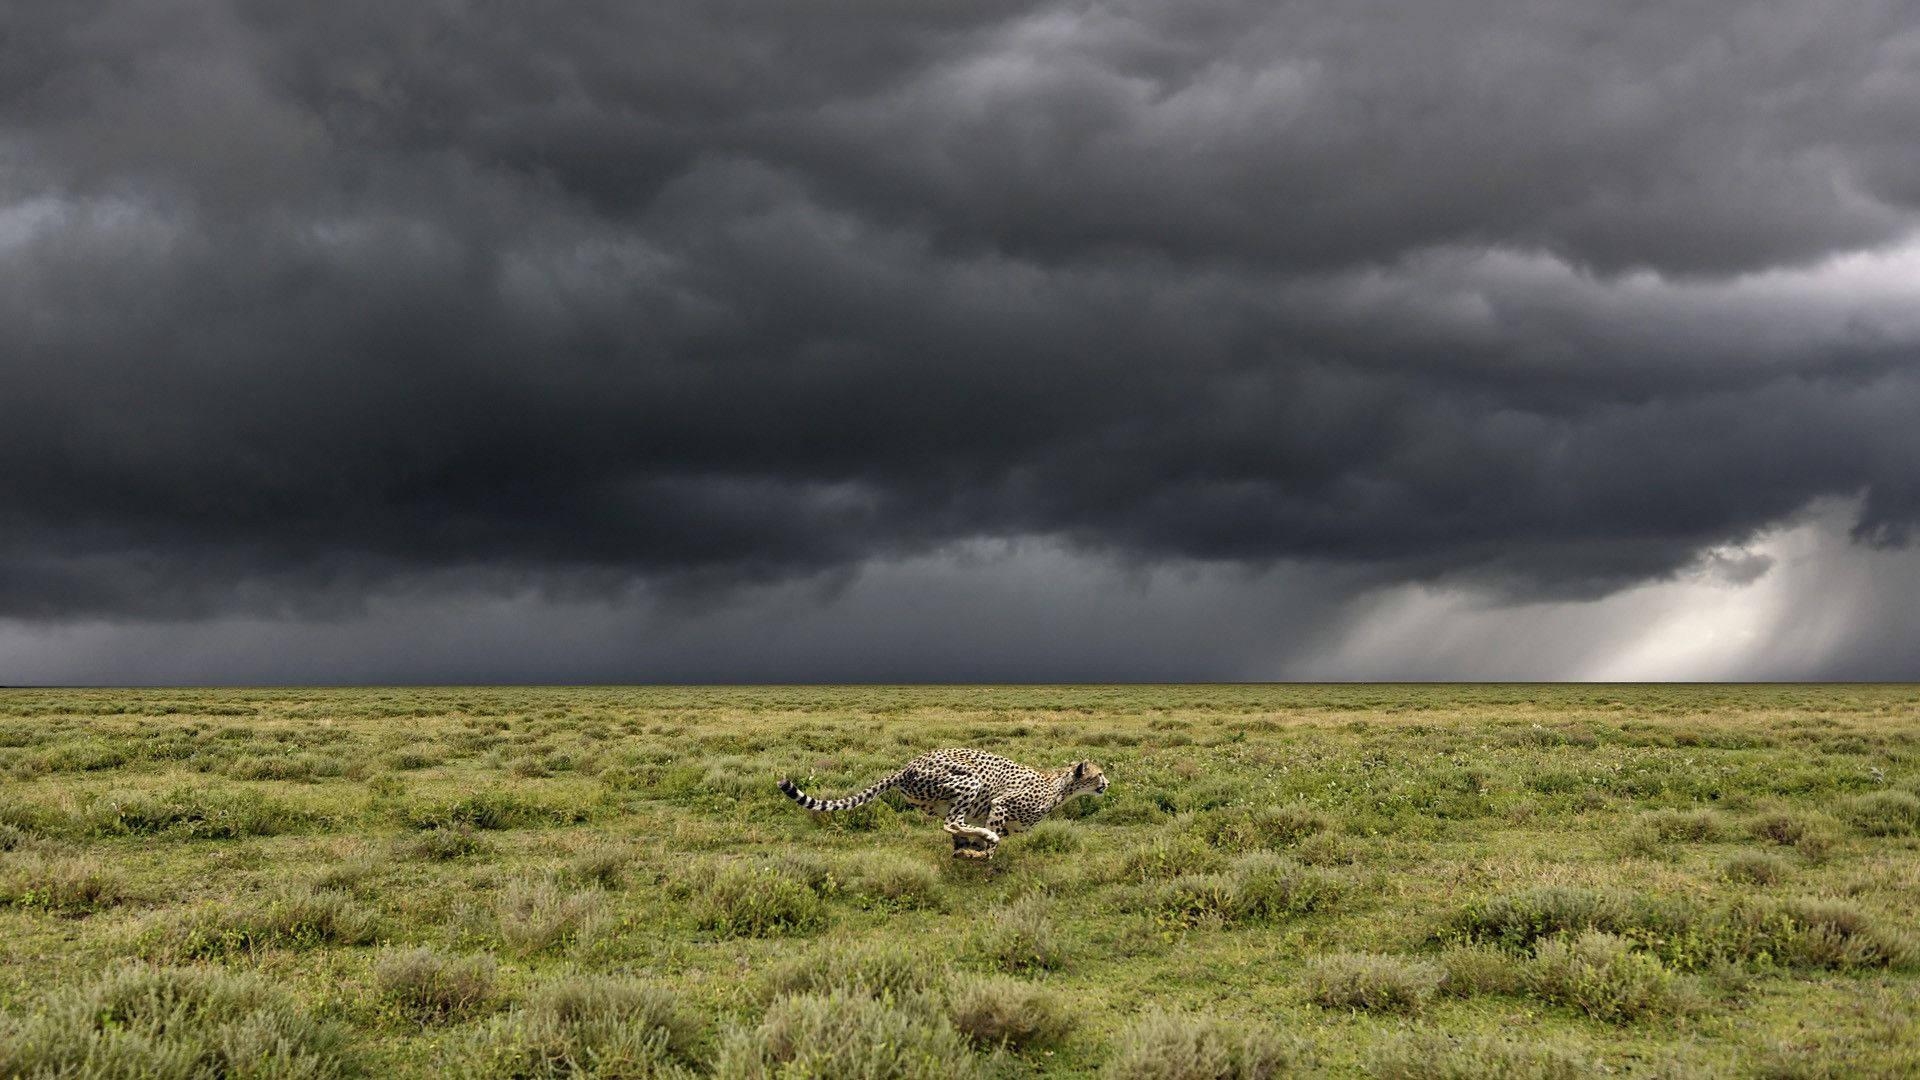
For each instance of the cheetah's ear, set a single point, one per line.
(1079, 770)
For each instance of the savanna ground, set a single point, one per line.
(1356, 880)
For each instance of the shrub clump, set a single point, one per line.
(1467, 970)
(1054, 837)
(488, 810)
(1260, 827)
(537, 916)
(1518, 919)
(602, 864)
(996, 1010)
(1268, 887)
(760, 901)
(1818, 934)
(446, 843)
(198, 814)
(291, 918)
(1601, 975)
(1756, 868)
(846, 1036)
(143, 1021)
(1684, 826)
(1435, 1056)
(585, 1026)
(1170, 857)
(1165, 1046)
(1194, 900)
(1371, 981)
(898, 882)
(1884, 813)
(67, 885)
(1835, 935)
(875, 969)
(1780, 828)
(1021, 937)
(432, 987)
(1261, 887)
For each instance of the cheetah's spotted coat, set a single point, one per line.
(962, 784)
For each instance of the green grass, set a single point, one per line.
(1341, 881)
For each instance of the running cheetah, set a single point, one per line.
(959, 784)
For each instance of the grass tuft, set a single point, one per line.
(587, 1026)
(996, 1010)
(1021, 936)
(296, 917)
(1756, 868)
(1168, 1046)
(432, 987)
(62, 885)
(1055, 838)
(1372, 982)
(760, 901)
(844, 1036)
(1602, 976)
(1435, 1056)
(446, 843)
(899, 883)
(875, 969)
(1884, 813)
(603, 864)
(1261, 827)
(539, 916)
(167, 1023)
(1468, 970)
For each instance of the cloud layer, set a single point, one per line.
(311, 308)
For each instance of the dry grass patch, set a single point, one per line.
(1021, 937)
(1601, 975)
(1756, 868)
(433, 987)
(157, 1023)
(1373, 982)
(61, 884)
(583, 1026)
(1467, 970)
(1169, 1046)
(874, 968)
(1883, 813)
(291, 918)
(762, 900)
(1436, 1056)
(539, 916)
(996, 1010)
(846, 1036)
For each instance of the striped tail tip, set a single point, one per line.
(794, 793)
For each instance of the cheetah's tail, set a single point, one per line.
(848, 803)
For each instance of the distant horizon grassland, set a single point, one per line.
(1395, 881)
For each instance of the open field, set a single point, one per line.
(1391, 881)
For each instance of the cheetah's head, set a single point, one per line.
(1087, 779)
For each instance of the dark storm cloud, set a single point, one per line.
(307, 303)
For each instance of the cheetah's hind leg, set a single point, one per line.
(970, 845)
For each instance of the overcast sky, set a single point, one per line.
(906, 340)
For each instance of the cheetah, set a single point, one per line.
(959, 784)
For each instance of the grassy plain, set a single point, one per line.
(1354, 880)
